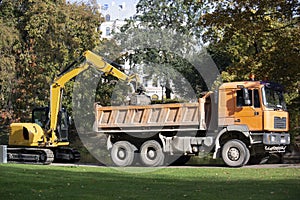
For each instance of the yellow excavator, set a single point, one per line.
(46, 139)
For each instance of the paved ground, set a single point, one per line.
(198, 166)
(273, 166)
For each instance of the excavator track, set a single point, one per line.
(66, 155)
(30, 156)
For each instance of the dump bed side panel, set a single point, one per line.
(150, 117)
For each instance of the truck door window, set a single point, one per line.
(256, 99)
(240, 101)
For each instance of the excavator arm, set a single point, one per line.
(89, 59)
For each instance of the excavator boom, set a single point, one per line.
(90, 60)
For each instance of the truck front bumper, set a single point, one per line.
(276, 142)
(276, 139)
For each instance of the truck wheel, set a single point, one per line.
(235, 153)
(122, 153)
(152, 154)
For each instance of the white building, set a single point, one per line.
(107, 28)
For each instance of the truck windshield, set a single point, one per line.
(273, 98)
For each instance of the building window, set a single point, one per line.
(105, 6)
(145, 82)
(107, 17)
(107, 31)
(154, 82)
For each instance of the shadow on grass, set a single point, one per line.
(48, 182)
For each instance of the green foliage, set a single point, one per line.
(8, 40)
(178, 15)
(260, 37)
(43, 37)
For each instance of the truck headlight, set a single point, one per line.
(283, 140)
(273, 138)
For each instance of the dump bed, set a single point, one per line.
(149, 118)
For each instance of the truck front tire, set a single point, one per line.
(235, 153)
(122, 153)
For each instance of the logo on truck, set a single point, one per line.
(275, 148)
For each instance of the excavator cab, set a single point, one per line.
(40, 116)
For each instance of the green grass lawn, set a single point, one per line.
(56, 182)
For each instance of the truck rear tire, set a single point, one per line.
(151, 154)
(235, 153)
(122, 153)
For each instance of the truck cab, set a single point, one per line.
(257, 108)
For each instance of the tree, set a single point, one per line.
(257, 36)
(178, 15)
(51, 35)
(261, 37)
(8, 41)
(161, 37)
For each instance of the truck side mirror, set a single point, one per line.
(246, 97)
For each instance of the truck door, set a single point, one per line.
(249, 112)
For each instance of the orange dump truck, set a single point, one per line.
(241, 120)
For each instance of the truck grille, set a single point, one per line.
(279, 123)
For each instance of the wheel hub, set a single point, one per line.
(233, 154)
(151, 153)
(122, 154)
